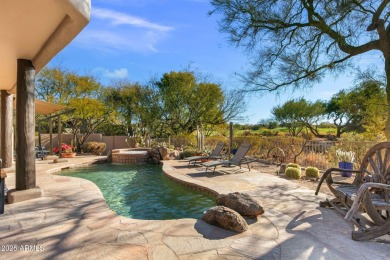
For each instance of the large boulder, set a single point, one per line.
(109, 157)
(154, 155)
(225, 218)
(242, 203)
(164, 153)
(174, 154)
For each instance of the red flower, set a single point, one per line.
(65, 148)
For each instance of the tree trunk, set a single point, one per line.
(315, 131)
(338, 133)
(387, 71)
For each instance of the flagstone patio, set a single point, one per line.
(73, 221)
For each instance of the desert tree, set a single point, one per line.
(83, 93)
(187, 101)
(359, 109)
(295, 43)
(298, 114)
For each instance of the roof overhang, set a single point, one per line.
(45, 108)
(37, 30)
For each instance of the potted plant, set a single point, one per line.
(67, 151)
(346, 159)
(205, 152)
(235, 147)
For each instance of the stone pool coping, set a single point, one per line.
(188, 182)
(74, 221)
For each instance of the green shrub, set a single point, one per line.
(96, 148)
(312, 172)
(293, 165)
(188, 153)
(247, 133)
(292, 172)
(272, 125)
(267, 133)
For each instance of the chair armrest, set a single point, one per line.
(360, 195)
(328, 174)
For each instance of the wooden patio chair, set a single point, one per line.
(368, 194)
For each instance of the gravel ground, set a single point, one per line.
(273, 169)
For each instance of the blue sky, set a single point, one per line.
(140, 39)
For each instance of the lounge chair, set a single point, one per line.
(214, 155)
(238, 158)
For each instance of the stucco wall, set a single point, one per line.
(112, 142)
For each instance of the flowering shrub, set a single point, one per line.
(65, 148)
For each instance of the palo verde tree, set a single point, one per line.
(342, 110)
(80, 92)
(186, 102)
(137, 109)
(125, 97)
(294, 43)
(360, 109)
(298, 114)
(288, 115)
(312, 114)
(373, 98)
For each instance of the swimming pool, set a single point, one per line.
(143, 192)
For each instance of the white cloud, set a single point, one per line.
(117, 18)
(113, 31)
(121, 73)
(117, 74)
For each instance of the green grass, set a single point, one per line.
(323, 131)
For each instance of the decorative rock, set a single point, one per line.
(109, 156)
(225, 218)
(59, 160)
(242, 203)
(282, 169)
(154, 155)
(164, 153)
(51, 157)
(174, 154)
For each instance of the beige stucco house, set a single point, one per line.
(31, 34)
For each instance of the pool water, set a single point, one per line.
(143, 192)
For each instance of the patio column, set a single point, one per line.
(51, 135)
(59, 136)
(25, 126)
(25, 135)
(6, 129)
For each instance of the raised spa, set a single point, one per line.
(130, 156)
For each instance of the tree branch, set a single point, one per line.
(296, 79)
